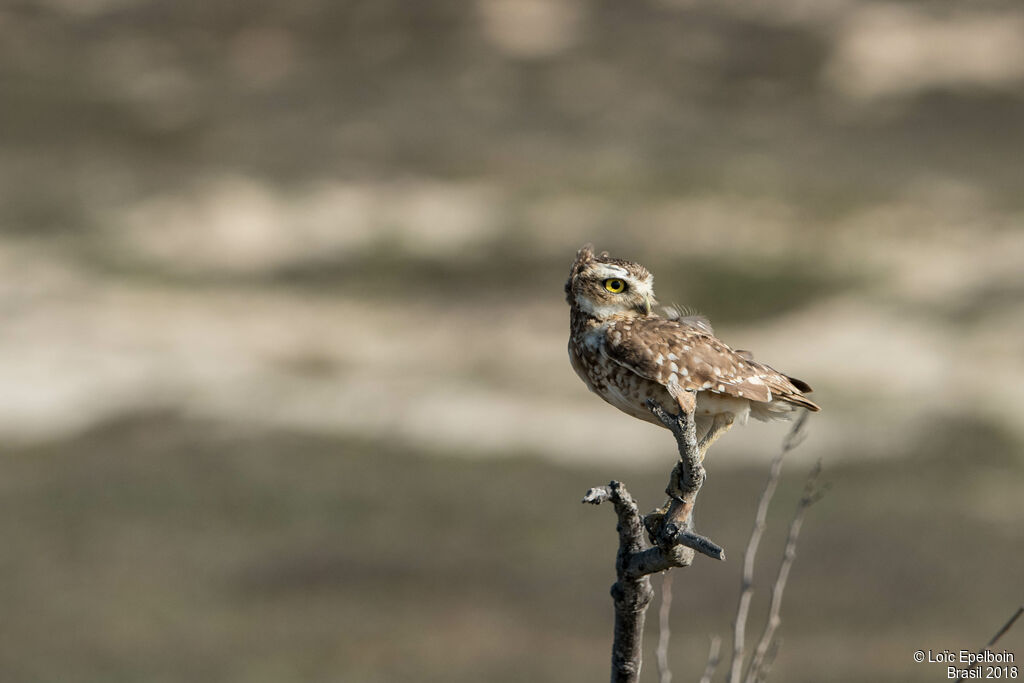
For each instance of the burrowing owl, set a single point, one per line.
(626, 353)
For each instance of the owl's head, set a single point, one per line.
(602, 286)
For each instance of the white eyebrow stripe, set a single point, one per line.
(607, 270)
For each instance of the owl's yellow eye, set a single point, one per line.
(614, 285)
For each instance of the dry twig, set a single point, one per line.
(709, 669)
(1001, 632)
(813, 492)
(796, 435)
(664, 631)
(1006, 627)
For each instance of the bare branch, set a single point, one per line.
(709, 670)
(631, 595)
(673, 527)
(674, 542)
(597, 495)
(654, 560)
(702, 545)
(813, 492)
(793, 439)
(664, 630)
(632, 592)
(684, 429)
(769, 660)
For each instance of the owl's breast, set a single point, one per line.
(617, 385)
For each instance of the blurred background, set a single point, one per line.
(283, 333)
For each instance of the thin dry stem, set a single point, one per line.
(712, 665)
(769, 660)
(793, 439)
(1001, 632)
(1006, 627)
(812, 494)
(664, 630)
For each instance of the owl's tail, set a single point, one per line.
(787, 396)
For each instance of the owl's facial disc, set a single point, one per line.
(607, 289)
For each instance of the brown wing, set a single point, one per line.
(784, 387)
(674, 354)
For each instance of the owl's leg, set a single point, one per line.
(703, 426)
(719, 426)
(708, 431)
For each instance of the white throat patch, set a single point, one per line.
(587, 306)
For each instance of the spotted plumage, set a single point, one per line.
(627, 353)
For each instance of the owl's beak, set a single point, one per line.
(644, 305)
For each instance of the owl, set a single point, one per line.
(627, 353)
